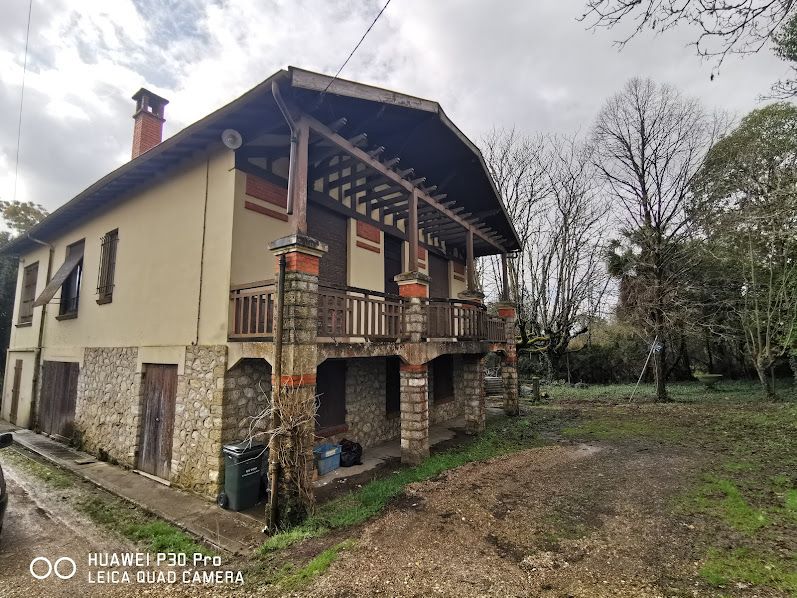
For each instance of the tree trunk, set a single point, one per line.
(767, 382)
(660, 374)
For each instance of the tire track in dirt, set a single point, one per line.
(562, 520)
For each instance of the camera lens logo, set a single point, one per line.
(63, 568)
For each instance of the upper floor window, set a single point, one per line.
(105, 278)
(70, 289)
(28, 294)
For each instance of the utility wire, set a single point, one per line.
(371, 26)
(21, 100)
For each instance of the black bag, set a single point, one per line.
(351, 453)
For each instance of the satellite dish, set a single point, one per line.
(232, 139)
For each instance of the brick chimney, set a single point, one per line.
(148, 129)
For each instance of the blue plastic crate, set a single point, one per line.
(327, 458)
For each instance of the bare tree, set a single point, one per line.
(566, 280)
(513, 161)
(724, 26)
(650, 142)
(557, 277)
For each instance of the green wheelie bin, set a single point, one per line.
(243, 475)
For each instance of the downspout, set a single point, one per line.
(273, 457)
(37, 354)
(275, 90)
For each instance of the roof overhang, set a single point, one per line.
(416, 129)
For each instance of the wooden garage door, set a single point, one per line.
(159, 391)
(12, 416)
(58, 398)
(331, 391)
(330, 228)
(393, 250)
(438, 271)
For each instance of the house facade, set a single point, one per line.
(147, 306)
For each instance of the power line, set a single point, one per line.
(342, 66)
(21, 100)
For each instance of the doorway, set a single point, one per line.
(159, 393)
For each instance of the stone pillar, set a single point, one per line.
(413, 287)
(509, 363)
(298, 378)
(414, 413)
(473, 384)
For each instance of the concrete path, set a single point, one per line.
(238, 533)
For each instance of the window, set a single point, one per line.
(70, 289)
(107, 267)
(331, 401)
(392, 385)
(28, 294)
(443, 379)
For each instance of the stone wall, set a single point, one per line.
(244, 400)
(369, 423)
(448, 410)
(196, 452)
(108, 407)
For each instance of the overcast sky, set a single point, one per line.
(530, 65)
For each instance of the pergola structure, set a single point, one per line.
(342, 156)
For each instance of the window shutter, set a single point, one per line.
(105, 278)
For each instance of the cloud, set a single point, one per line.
(528, 65)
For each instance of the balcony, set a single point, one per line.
(354, 315)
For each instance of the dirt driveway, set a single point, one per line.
(562, 520)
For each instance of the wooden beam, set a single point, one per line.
(350, 178)
(374, 195)
(504, 278)
(322, 172)
(363, 156)
(412, 230)
(469, 261)
(399, 206)
(300, 177)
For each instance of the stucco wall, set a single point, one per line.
(159, 260)
(251, 233)
(26, 384)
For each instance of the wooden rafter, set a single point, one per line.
(362, 156)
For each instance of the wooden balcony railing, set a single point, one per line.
(495, 329)
(346, 313)
(449, 318)
(252, 311)
(349, 313)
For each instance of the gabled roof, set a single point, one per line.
(416, 129)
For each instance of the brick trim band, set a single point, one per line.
(362, 245)
(265, 211)
(297, 380)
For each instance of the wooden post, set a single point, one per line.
(300, 178)
(412, 230)
(504, 278)
(470, 261)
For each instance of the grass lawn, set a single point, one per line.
(726, 391)
(745, 500)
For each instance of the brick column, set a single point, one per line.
(509, 363)
(298, 379)
(473, 385)
(414, 413)
(413, 287)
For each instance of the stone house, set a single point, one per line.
(374, 201)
